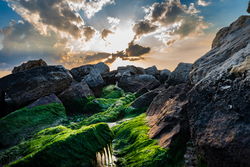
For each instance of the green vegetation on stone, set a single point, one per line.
(201, 162)
(112, 92)
(24, 122)
(61, 146)
(135, 149)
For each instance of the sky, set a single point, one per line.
(143, 33)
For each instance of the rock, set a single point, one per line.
(149, 86)
(152, 71)
(79, 73)
(95, 82)
(45, 101)
(132, 70)
(179, 75)
(73, 93)
(30, 64)
(29, 85)
(140, 70)
(135, 82)
(228, 42)
(146, 99)
(24, 122)
(218, 107)
(164, 74)
(49, 147)
(110, 79)
(169, 121)
(248, 9)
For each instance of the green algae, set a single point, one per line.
(112, 114)
(112, 92)
(61, 146)
(134, 147)
(22, 123)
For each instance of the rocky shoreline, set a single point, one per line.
(197, 115)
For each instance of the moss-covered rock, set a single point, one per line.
(112, 92)
(134, 147)
(21, 123)
(61, 146)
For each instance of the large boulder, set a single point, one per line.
(134, 82)
(30, 64)
(168, 119)
(111, 78)
(79, 73)
(164, 75)
(147, 87)
(152, 71)
(95, 81)
(29, 85)
(179, 75)
(218, 107)
(45, 112)
(74, 93)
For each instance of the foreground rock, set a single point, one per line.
(218, 106)
(168, 117)
(74, 93)
(30, 64)
(134, 82)
(27, 86)
(21, 123)
(61, 146)
(179, 75)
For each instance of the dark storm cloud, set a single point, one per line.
(88, 32)
(22, 42)
(96, 57)
(54, 13)
(105, 33)
(143, 27)
(136, 50)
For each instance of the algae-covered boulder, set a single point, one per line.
(21, 123)
(61, 146)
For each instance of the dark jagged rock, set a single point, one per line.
(164, 74)
(111, 78)
(95, 82)
(218, 107)
(45, 101)
(29, 85)
(30, 64)
(134, 82)
(79, 73)
(149, 86)
(168, 117)
(152, 71)
(179, 75)
(77, 90)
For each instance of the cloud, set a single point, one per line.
(171, 21)
(49, 15)
(143, 27)
(203, 3)
(105, 33)
(22, 42)
(88, 32)
(89, 7)
(136, 50)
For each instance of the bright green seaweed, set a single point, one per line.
(21, 123)
(61, 146)
(134, 147)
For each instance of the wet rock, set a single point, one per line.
(134, 82)
(30, 64)
(164, 75)
(169, 121)
(45, 101)
(79, 73)
(218, 107)
(29, 85)
(95, 82)
(179, 75)
(152, 71)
